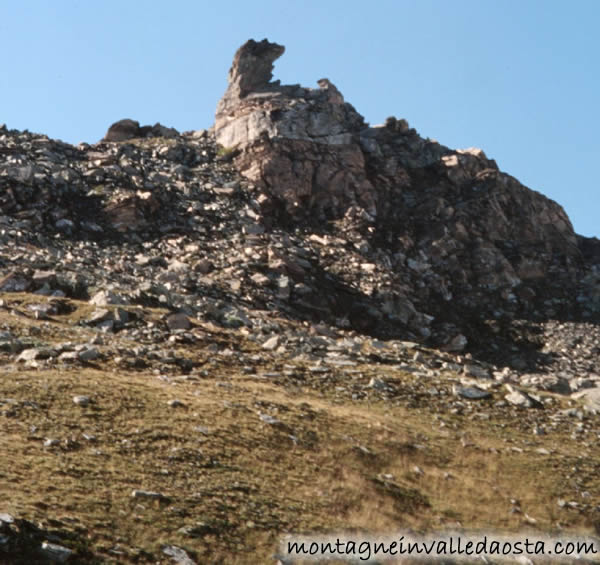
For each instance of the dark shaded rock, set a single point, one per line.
(15, 282)
(123, 130)
(178, 321)
(252, 68)
(130, 129)
(23, 542)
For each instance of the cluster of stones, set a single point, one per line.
(30, 542)
(292, 204)
(325, 244)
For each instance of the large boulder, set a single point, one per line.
(123, 130)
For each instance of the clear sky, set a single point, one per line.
(518, 78)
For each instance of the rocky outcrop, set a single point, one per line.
(300, 144)
(450, 220)
(312, 153)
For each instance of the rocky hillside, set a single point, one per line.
(460, 240)
(172, 299)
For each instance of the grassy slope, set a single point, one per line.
(239, 482)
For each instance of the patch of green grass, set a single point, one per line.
(225, 152)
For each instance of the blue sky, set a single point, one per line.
(518, 78)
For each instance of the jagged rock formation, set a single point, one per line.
(299, 143)
(465, 228)
(313, 152)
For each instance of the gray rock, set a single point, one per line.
(377, 383)
(121, 316)
(56, 552)
(15, 282)
(65, 225)
(6, 518)
(476, 371)
(283, 288)
(178, 555)
(268, 419)
(69, 357)
(36, 353)
(197, 530)
(260, 279)
(520, 399)
(178, 321)
(81, 400)
(147, 494)
(41, 278)
(551, 383)
(11, 345)
(470, 392)
(590, 398)
(101, 315)
(106, 325)
(88, 354)
(106, 297)
(271, 343)
(158, 130)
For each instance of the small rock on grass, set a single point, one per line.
(56, 553)
(6, 518)
(178, 555)
(470, 392)
(82, 400)
(268, 419)
(520, 399)
(88, 354)
(148, 494)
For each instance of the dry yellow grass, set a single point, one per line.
(237, 483)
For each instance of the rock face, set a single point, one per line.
(301, 144)
(449, 217)
(313, 154)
